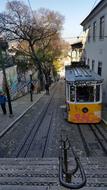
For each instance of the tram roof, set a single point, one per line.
(81, 75)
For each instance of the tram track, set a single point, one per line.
(22, 148)
(41, 137)
(25, 146)
(85, 145)
(103, 127)
(22, 151)
(93, 139)
(45, 144)
(100, 139)
(39, 141)
(101, 133)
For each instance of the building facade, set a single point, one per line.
(76, 51)
(95, 42)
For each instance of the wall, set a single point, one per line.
(17, 88)
(97, 50)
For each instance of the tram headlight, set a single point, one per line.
(85, 110)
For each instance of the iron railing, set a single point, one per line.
(65, 175)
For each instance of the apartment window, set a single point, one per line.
(101, 27)
(100, 68)
(94, 31)
(89, 31)
(93, 64)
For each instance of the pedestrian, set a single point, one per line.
(47, 88)
(32, 87)
(3, 102)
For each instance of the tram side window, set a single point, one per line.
(67, 92)
(85, 94)
(72, 93)
(97, 93)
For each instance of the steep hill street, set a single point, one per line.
(37, 136)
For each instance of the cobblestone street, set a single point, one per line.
(36, 136)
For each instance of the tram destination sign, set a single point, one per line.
(84, 82)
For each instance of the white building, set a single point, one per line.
(76, 51)
(95, 44)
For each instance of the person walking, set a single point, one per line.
(3, 102)
(32, 87)
(47, 88)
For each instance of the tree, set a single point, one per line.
(19, 23)
(46, 51)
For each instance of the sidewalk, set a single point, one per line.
(19, 107)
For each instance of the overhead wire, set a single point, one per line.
(30, 7)
(34, 17)
(73, 37)
(29, 3)
(95, 2)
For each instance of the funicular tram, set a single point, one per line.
(83, 90)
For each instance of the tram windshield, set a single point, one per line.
(85, 94)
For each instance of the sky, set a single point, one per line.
(74, 12)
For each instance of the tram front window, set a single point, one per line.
(85, 94)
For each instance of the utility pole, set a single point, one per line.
(3, 47)
(31, 90)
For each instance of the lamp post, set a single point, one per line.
(31, 90)
(3, 47)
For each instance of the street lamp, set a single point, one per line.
(3, 47)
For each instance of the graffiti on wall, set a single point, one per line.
(17, 87)
(11, 75)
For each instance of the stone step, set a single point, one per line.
(46, 188)
(28, 161)
(10, 187)
(33, 173)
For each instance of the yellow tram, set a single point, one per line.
(83, 89)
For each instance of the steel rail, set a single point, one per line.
(100, 132)
(84, 141)
(98, 139)
(38, 123)
(45, 144)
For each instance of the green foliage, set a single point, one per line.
(57, 65)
